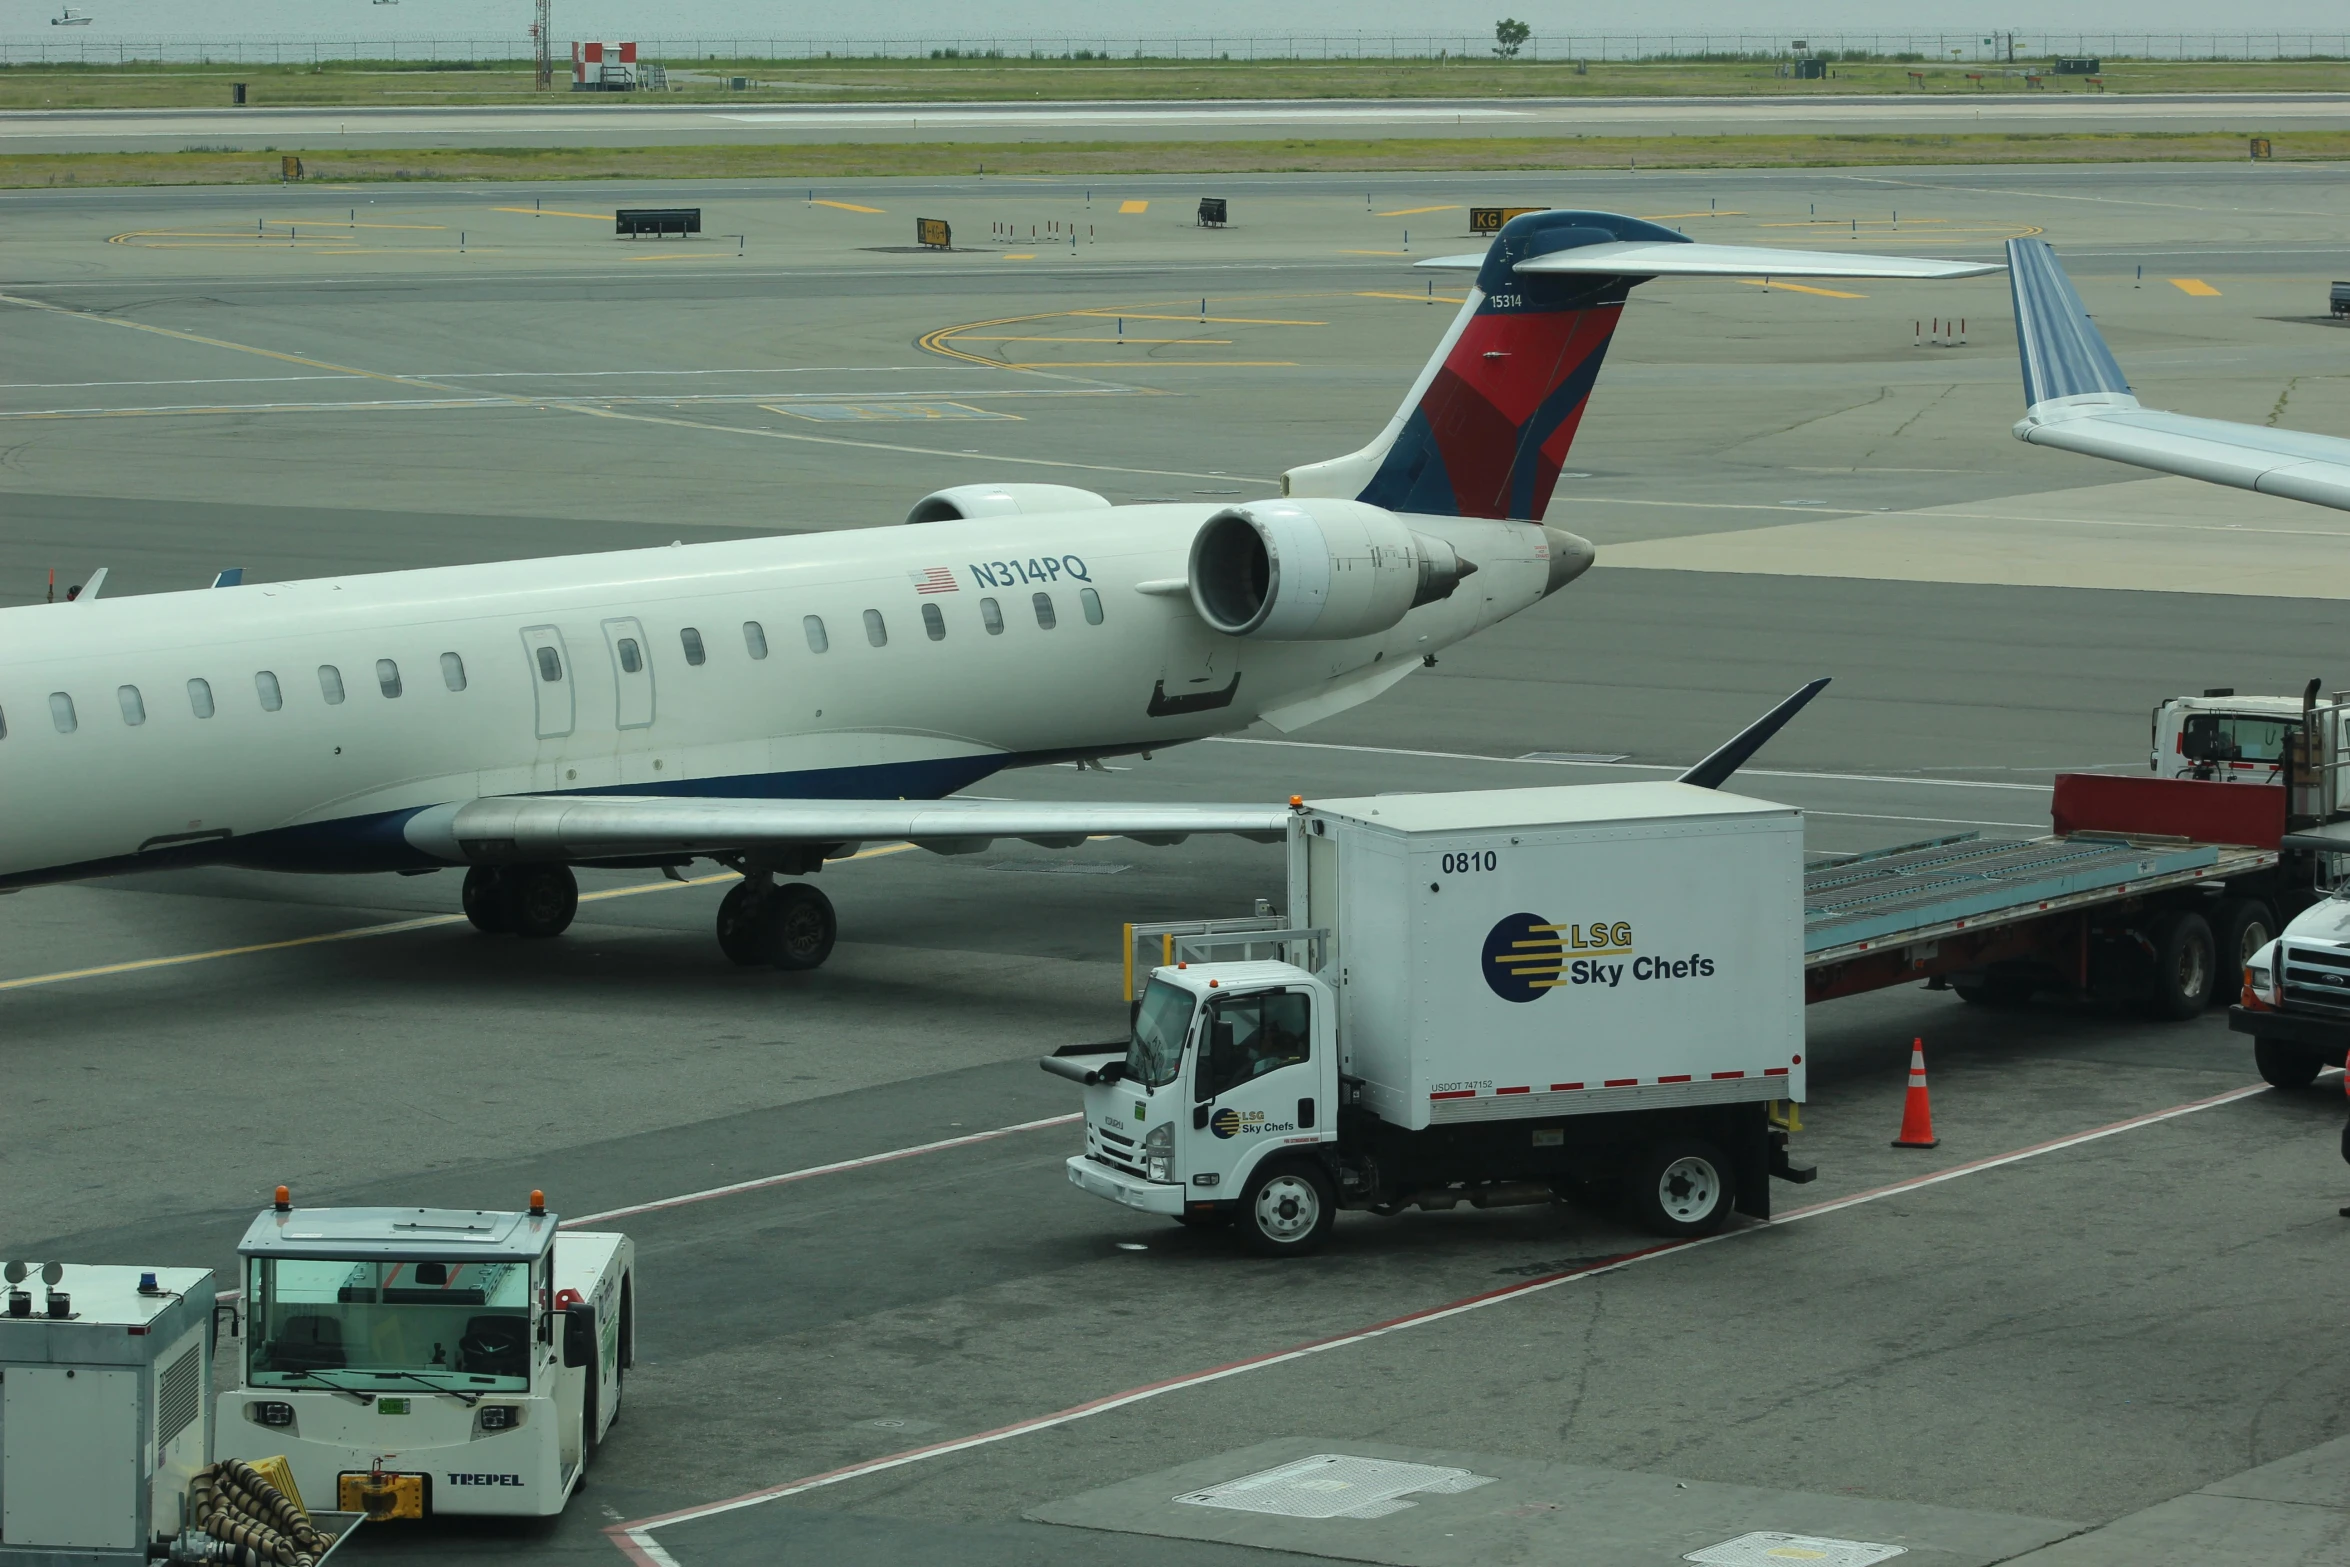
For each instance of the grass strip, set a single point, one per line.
(884, 160)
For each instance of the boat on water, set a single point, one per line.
(71, 18)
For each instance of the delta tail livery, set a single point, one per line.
(771, 703)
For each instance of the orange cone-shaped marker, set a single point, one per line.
(1917, 1111)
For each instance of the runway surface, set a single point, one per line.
(649, 122)
(1783, 484)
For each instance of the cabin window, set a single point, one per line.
(265, 684)
(550, 665)
(875, 632)
(813, 625)
(387, 677)
(200, 698)
(695, 653)
(991, 615)
(934, 623)
(330, 684)
(754, 639)
(1045, 619)
(61, 712)
(1093, 605)
(453, 671)
(134, 706)
(632, 657)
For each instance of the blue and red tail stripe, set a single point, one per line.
(1493, 428)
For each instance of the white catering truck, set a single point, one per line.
(1490, 997)
(412, 1362)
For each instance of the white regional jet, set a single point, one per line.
(770, 703)
(2078, 400)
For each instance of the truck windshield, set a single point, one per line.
(1156, 1053)
(462, 1325)
(2235, 737)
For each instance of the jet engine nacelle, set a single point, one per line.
(1004, 500)
(1316, 570)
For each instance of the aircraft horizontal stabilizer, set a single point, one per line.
(1651, 258)
(589, 827)
(2079, 401)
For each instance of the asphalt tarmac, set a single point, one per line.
(1783, 484)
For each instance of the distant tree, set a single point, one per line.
(1509, 36)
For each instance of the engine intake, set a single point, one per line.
(1315, 570)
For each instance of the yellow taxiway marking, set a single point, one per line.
(1374, 252)
(844, 206)
(1154, 364)
(1136, 315)
(1417, 299)
(1658, 217)
(1020, 255)
(1799, 288)
(1131, 208)
(550, 212)
(1006, 337)
(329, 223)
(1413, 212)
(392, 928)
(2195, 286)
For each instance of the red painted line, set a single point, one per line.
(1682, 1078)
(1513, 1090)
(634, 1537)
(1621, 1082)
(1774, 1071)
(1565, 1088)
(1718, 1076)
(1458, 1093)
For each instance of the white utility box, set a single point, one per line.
(105, 1413)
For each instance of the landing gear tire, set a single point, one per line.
(1287, 1209)
(1684, 1188)
(2243, 926)
(746, 930)
(486, 901)
(804, 925)
(543, 899)
(2283, 1064)
(2180, 986)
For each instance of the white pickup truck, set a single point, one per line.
(1495, 998)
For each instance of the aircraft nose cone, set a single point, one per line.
(1570, 556)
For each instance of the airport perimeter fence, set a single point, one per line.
(82, 48)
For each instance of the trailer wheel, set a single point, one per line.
(2245, 925)
(2286, 1065)
(1684, 1187)
(544, 898)
(486, 902)
(2180, 987)
(805, 926)
(1287, 1209)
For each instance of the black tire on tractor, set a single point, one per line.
(1999, 987)
(1287, 1209)
(1684, 1187)
(544, 899)
(805, 926)
(746, 925)
(2179, 986)
(2284, 1064)
(487, 902)
(2241, 926)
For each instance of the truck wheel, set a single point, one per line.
(2244, 926)
(2285, 1065)
(486, 902)
(745, 934)
(1684, 1187)
(544, 898)
(1287, 1210)
(2180, 987)
(805, 926)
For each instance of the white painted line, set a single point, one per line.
(1635, 767)
(634, 1538)
(814, 1170)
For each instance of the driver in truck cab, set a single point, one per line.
(1249, 1036)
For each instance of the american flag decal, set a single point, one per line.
(933, 579)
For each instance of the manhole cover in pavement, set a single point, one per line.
(1333, 1485)
(1765, 1549)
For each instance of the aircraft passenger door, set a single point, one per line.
(632, 673)
(550, 680)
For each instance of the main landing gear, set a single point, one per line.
(521, 900)
(788, 925)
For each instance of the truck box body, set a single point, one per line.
(1527, 953)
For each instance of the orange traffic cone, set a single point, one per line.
(1917, 1111)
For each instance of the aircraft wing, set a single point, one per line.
(592, 827)
(2079, 401)
(1664, 258)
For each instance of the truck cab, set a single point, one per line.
(418, 1361)
(1229, 1079)
(2223, 737)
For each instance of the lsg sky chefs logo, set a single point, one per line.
(1527, 956)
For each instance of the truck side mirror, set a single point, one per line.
(579, 1335)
